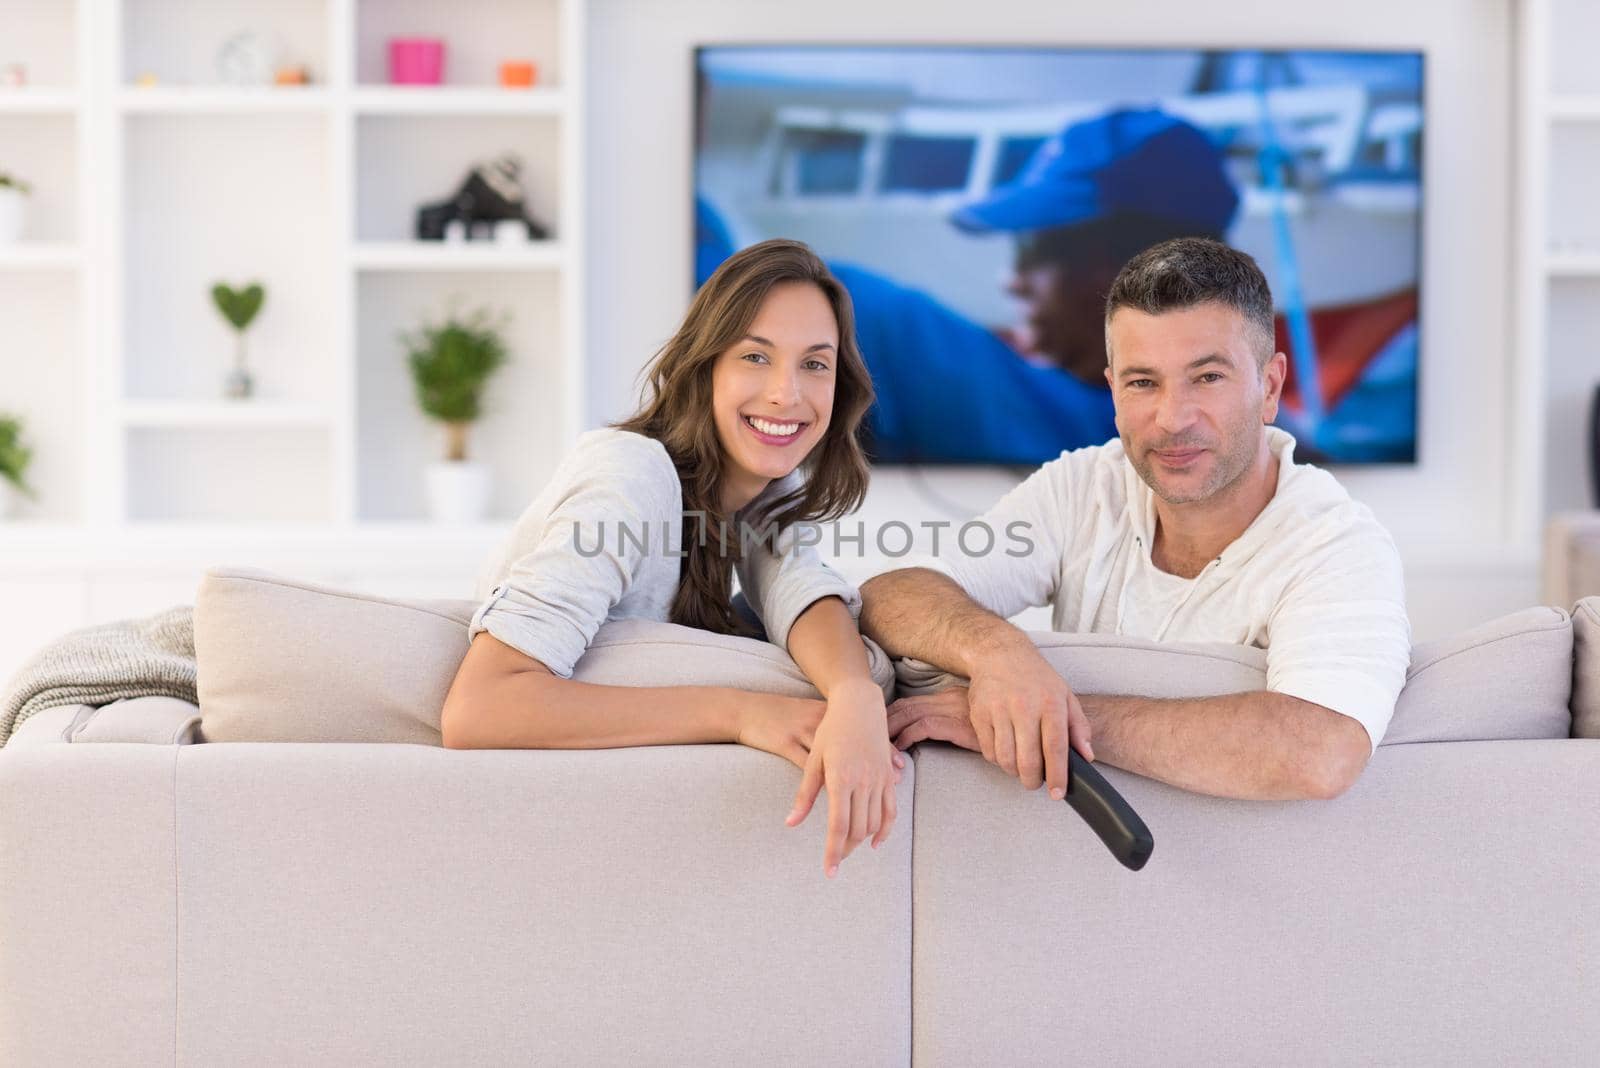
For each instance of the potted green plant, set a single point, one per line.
(14, 194)
(14, 458)
(451, 361)
(239, 307)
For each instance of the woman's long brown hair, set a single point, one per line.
(677, 412)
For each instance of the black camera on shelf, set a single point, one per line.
(491, 194)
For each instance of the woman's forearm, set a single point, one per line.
(825, 644)
(539, 710)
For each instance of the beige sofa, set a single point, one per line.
(170, 899)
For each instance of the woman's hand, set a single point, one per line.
(850, 754)
(783, 726)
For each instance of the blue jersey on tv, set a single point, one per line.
(949, 390)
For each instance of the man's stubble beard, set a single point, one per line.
(1243, 439)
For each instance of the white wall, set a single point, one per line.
(1452, 514)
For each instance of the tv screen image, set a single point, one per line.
(977, 202)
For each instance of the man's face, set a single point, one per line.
(1190, 399)
(1063, 309)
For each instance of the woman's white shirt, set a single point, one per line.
(601, 542)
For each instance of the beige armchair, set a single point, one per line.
(1571, 560)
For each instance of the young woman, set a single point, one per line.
(751, 419)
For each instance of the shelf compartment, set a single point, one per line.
(1574, 211)
(208, 199)
(193, 474)
(478, 36)
(405, 162)
(42, 362)
(42, 150)
(178, 41)
(521, 433)
(43, 35)
(1572, 66)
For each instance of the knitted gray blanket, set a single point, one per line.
(150, 656)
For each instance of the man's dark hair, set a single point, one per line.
(1187, 271)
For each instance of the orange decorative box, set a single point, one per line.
(516, 74)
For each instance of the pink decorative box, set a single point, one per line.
(416, 61)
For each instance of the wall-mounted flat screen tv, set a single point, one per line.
(978, 201)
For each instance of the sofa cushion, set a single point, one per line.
(285, 660)
(1509, 678)
(1586, 668)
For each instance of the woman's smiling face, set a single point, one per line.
(772, 391)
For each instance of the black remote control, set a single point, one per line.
(1107, 813)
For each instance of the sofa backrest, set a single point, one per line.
(284, 660)
(1508, 678)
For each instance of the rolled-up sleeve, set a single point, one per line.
(1339, 636)
(555, 596)
(784, 575)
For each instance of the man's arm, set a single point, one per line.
(918, 612)
(1261, 746)
(952, 611)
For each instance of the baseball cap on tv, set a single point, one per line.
(1143, 161)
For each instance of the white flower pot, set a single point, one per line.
(13, 215)
(458, 491)
(10, 500)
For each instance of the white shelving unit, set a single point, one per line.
(149, 193)
(144, 196)
(1556, 364)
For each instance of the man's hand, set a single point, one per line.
(1026, 716)
(1018, 713)
(938, 716)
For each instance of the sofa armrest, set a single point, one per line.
(49, 726)
(153, 720)
(156, 720)
(88, 904)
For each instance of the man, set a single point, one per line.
(1195, 524)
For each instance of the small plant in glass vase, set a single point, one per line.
(239, 307)
(14, 193)
(451, 361)
(15, 456)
